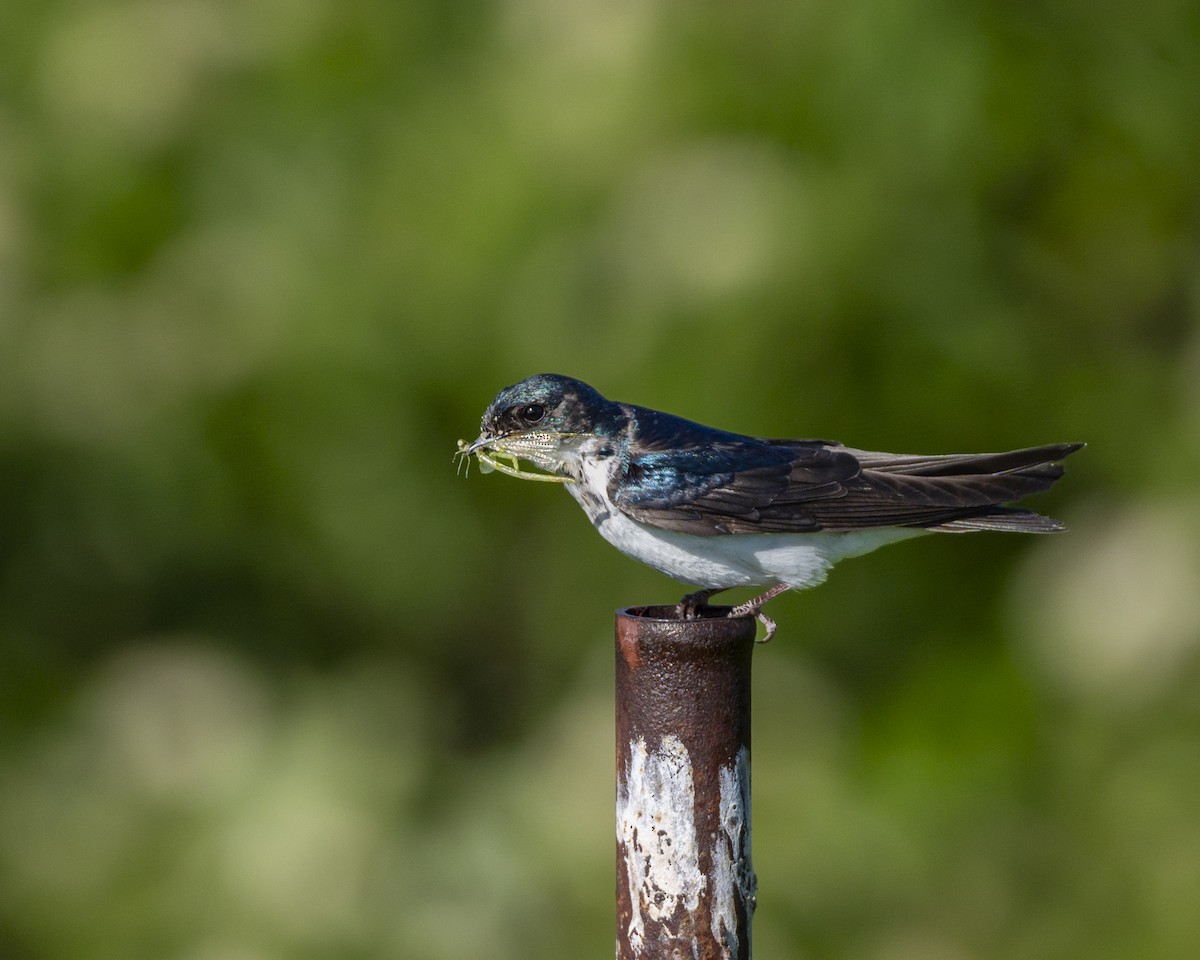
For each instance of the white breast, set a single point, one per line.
(717, 562)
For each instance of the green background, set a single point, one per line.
(276, 683)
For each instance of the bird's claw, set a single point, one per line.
(754, 608)
(749, 609)
(689, 607)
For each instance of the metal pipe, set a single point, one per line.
(685, 884)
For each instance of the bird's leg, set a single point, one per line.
(754, 606)
(689, 607)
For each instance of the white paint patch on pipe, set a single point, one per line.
(733, 874)
(656, 824)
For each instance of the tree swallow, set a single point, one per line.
(718, 510)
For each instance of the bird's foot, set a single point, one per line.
(689, 607)
(754, 607)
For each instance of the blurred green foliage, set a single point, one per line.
(274, 683)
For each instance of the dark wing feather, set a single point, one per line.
(953, 493)
(710, 483)
(732, 487)
(957, 464)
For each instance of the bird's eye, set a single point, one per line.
(532, 412)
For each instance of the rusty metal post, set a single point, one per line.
(685, 884)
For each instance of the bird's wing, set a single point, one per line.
(732, 486)
(748, 485)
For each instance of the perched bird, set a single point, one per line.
(720, 510)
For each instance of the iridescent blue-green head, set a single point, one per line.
(544, 419)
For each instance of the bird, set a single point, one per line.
(717, 510)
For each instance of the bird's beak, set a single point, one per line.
(493, 450)
(485, 439)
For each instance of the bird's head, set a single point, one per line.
(545, 419)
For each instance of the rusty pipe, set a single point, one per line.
(685, 884)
